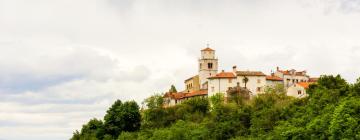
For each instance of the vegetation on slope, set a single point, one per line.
(332, 111)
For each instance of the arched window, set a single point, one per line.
(210, 65)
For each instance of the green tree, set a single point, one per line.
(345, 120)
(155, 101)
(122, 117)
(173, 89)
(93, 130)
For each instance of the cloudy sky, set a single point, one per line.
(63, 62)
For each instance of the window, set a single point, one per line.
(258, 89)
(258, 81)
(299, 92)
(230, 80)
(210, 65)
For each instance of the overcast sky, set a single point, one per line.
(63, 62)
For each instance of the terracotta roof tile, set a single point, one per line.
(223, 75)
(273, 78)
(176, 96)
(196, 93)
(305, 84)
(288, 72)
(181, 95)
(250, 73)
(207, 49)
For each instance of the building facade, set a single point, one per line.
(272, 81)
(291, 77)
(208, 81)
(208, 66)
(192, 84)
(221, 82)
(255, 81)
(298, 90)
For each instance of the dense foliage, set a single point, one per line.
(331, 111)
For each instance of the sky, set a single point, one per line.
(63, 62)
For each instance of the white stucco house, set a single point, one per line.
(256, 81)
(291, 77)
(272, 80)
(221, 82)
(298, 90)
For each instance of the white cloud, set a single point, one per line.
(64, 62)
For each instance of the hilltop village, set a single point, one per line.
(209, 81)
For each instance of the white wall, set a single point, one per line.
(169, 101)
(291, 83)
(220, 85)
(271, 83)
(204, 71)
(253, 83)
(294, 91)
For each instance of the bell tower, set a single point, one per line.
(208, 65)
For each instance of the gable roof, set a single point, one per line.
(196, 93)
(207, 49)
(297, 73)
(178, 95)
(223, 75)
(305, 84)
(250, 73)
(273, 78)
(181, 95)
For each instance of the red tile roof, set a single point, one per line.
(288, 72)
(305, 84)
(207, 49)
(250, 73)
(176, 96)
(223, 75)
(196, 93)
(181, 95)
(273, 78)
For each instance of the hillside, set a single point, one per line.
(331, 111)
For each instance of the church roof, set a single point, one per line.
(207, 49)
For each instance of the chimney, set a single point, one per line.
(234, 69)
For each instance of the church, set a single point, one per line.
(209, 81)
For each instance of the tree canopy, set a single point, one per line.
(331, 111)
